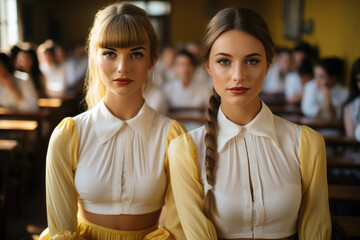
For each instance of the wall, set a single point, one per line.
(336, 31)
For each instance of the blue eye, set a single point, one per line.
(224, 62)
(109, 54)
(137, 55)
(252, 61)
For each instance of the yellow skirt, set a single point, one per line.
(90, 231)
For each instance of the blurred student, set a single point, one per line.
(75, 68)
(324, 96)
(274, 82)
(185, 91)
(17, 90)
(295, 81)
(164, 66)
(352, 109)
(53, 68)
(27, 61)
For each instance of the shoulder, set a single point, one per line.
(64, 131)
(311, 141)
(183, 144)
(287, 132)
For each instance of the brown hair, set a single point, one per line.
(241, 19)
(118, 25)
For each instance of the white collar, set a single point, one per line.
(107, 125)
(262, 125)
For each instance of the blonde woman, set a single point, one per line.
(247, 174)
(106, 169)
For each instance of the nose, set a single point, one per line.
(122, 65)
(238, 72)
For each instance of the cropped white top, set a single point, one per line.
(120, 166)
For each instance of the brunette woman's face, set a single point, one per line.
(237, 63)
(123, 71)
(322, 78)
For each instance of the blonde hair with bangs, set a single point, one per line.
(118, 25)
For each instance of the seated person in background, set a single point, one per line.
(352, 108)
(17, 90)
(295, 81)
(164, 66)
(302, 51)
(53, 71)
(323, 97)
(76, 65)
(200, 74)
(27, 61)
(274, 82)
(185, 91)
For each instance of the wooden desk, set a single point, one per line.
(7, 148)
(344, 193)
(187, 118)
(316, 123)
(286, 109)
(24, 127)
(49, 102)
(343, 162)
(346, 227)
(341, 140)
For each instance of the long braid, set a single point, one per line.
(211, 152)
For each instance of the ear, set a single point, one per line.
(268, 65)
(208, 68)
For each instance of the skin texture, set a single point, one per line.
(238, 65)
(124, 101)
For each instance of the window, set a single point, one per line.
(158, 12)
(9, 34)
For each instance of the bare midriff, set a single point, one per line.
(125, 222)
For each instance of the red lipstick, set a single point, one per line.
(238, 90)
(123, 81)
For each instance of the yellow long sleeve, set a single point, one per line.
(187, 189)
(314, 220)
(61, 195)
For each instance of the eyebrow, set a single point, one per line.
(249, 55)
(133, 49)
(137, 48)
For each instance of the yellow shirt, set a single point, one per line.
(300, 161)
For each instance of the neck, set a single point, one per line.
(124, 107)
(241, 114)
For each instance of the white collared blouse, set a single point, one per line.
(261, 183)
(107, 166)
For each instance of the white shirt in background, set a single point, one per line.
(293, 86)
(28, 92)
(312, 99)
(273, 82)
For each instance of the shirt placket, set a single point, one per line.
(258, 213)
(244, 182)
(127, 176)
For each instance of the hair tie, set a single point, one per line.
(210, 187)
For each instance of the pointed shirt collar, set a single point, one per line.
(107, 125)
(262, 125)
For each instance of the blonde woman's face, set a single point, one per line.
(123, 71)
(237, 64)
